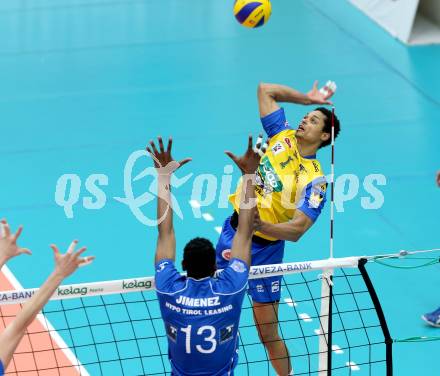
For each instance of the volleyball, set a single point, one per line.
(251, 13)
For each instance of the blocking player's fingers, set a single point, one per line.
(18, 233)
(85, 261)
(78, 253)
(232, 156)
(55, 249)
(315, 85)
(149, 151)
(184, 161)
(72, 246)
(250, 142)
(26, 251)
(6, 231)
(153, 147)
(161, 148)
(170, 144)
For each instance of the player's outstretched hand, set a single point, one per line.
(163, 161)
(322, 96)
(250, 160)
(8, 243)
(438, 178)
(67, 263)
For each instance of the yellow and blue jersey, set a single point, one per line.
(286, 181)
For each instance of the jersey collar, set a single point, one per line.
(310, 156)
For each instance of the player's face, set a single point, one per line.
(311, 127)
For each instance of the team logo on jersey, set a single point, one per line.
(238, 266)
(286, 124)
(161, 266)
(226, 254)
(267, 179)
(226, 333)
(260, 288)
(288, 142)
(171, 332)
(315, 199)
(302, 169)
(278, 148)
(283, 165)
(275, 286)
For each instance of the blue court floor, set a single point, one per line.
(84, 84)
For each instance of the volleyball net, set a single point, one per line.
(329, 317)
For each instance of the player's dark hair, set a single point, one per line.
(328, 125)
(199, 258)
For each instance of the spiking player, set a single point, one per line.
(290, 193)
(65, 265)
(201, 313)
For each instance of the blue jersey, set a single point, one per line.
(2, 370)
(201, 318)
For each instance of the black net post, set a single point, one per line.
(380, 315)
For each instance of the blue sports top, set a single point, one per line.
(201, 318)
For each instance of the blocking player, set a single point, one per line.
(290, 191)
(65, 265)
(201, 313)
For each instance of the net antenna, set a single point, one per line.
(325, 336)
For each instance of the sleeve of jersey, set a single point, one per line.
(2, 370)
(234, 278)
(166, 276)
(313, 198)
(275, 122)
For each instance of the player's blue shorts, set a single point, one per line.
(264, 290)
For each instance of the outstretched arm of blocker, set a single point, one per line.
(165, 166)
(65, 265)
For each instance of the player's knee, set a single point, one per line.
(268, 334)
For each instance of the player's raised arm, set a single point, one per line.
(165, 166)
(248, 163)
(269, 95)
(8, 243)
(65, 265)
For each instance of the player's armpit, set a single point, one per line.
(233, 279)
(167, 278)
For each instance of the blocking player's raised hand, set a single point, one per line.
(438, 178)
(322, 96)
(67, 263)
(9, 247)
(163, 161)
(250, 160)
